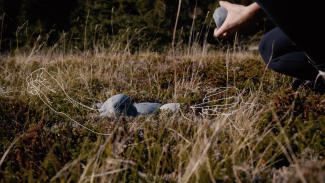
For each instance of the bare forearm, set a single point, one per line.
(255, 11)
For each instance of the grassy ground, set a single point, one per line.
(277, 137)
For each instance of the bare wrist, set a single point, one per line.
(255, 12)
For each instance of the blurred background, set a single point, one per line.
(83, 23)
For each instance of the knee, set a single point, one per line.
(264, 49)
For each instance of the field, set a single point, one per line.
(276, 135)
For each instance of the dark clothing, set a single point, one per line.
(284, 57)
(300, 32)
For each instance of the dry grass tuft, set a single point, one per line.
(278, 128)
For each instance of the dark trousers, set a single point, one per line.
(298, 38)
(282, 56)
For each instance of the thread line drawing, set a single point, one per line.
(37, 84)
(34, 87)
(209, 107)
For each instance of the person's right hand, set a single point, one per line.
(240, 19)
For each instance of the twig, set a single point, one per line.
(7, 151)
(173, 47)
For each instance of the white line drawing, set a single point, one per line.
(226, 106)
(38, 84)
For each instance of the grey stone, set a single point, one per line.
(219, 16)
(99, 105)
(171, 106)
(147, 108)
(1, 90)
(118, 105)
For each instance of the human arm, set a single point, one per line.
(239, 19)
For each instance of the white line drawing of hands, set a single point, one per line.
(41, 83)
(220, 101)
(224, 101)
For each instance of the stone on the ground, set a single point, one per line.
(170, 106)
(147, 108)
(99, 105)
(118, 105)
(1, 90)
(219, 16)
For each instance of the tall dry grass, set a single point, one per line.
(184, 146)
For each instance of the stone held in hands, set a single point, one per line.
(118, 105)
(219, 16)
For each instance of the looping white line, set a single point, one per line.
(226, 109)
(34, 88)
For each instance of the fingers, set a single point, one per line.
(225, 35)
(225, 4)
(214, 33)
(232, 21)
(221, 31)
(228, 34)
(217, 34)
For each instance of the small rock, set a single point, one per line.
(147, 108)
(99, 105)
(219, 16)
(118, 104)
(1, 90)
(171, 106)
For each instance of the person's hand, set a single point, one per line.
(240, 19)
(42, 84)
